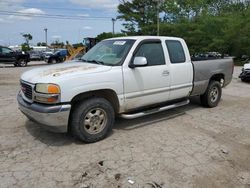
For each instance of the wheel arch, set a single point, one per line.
(108, 94)
(218, 77)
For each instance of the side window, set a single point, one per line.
(176, 52)
(153, 52)
(6, 50)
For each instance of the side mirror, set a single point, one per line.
(139, 62)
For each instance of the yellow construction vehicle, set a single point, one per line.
(77, 50)
(74, 52)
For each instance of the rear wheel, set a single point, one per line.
(212, 96)
(92, 120)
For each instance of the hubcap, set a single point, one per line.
(22, 63)
(95, 121)
(214, 94)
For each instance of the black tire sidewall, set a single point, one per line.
(211, 85)
(20, 63)
(80, 111)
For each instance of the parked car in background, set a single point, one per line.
(214, 55)
(245, 74)
(36, 55)
(57, 57)
(46, 54)
(17, 58)
(206, 56)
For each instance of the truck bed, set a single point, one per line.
(204, 70)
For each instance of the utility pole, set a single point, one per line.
(46, 30)
(113, 22)
(158, 18)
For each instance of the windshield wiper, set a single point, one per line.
(93, 61)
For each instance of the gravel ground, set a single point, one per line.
(190, 146)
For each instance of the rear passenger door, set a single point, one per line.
(148, 84)
(181, 69)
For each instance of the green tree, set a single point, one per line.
(206, 25)
(105, 35)
(27, 37)
(138, 14)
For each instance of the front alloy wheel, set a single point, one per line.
(22, 63)
(95, 121)
(92, 119)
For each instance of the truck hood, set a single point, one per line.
(52, 73)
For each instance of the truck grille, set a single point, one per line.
(27, 90)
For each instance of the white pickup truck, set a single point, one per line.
(128, 77)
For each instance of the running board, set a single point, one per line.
(153, 111)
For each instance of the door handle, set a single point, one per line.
(165, 73)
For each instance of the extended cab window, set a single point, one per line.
(153, 52)
(176, 52)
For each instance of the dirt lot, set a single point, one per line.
(190, 146)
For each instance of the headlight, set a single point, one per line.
(47, 93)
(47, 88)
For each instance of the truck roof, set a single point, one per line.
(147, 37)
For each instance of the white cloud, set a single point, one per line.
(87, 28)
(98, 4)
(83, 15)
(26, 14)
(33, 11)
(56, 36)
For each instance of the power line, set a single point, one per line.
(54, 16)
(57, 8)
(39, 5)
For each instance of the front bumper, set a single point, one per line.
(54, 118)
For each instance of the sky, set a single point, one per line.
(70, 20)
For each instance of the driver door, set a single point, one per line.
(148, 84)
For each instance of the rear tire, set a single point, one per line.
(92, 120)
(212, 96)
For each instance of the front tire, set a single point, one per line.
(92, 120)
(52, 61)
(212, 96)
(22, 63)
(243, 79)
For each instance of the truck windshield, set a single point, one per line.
(109, 52)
